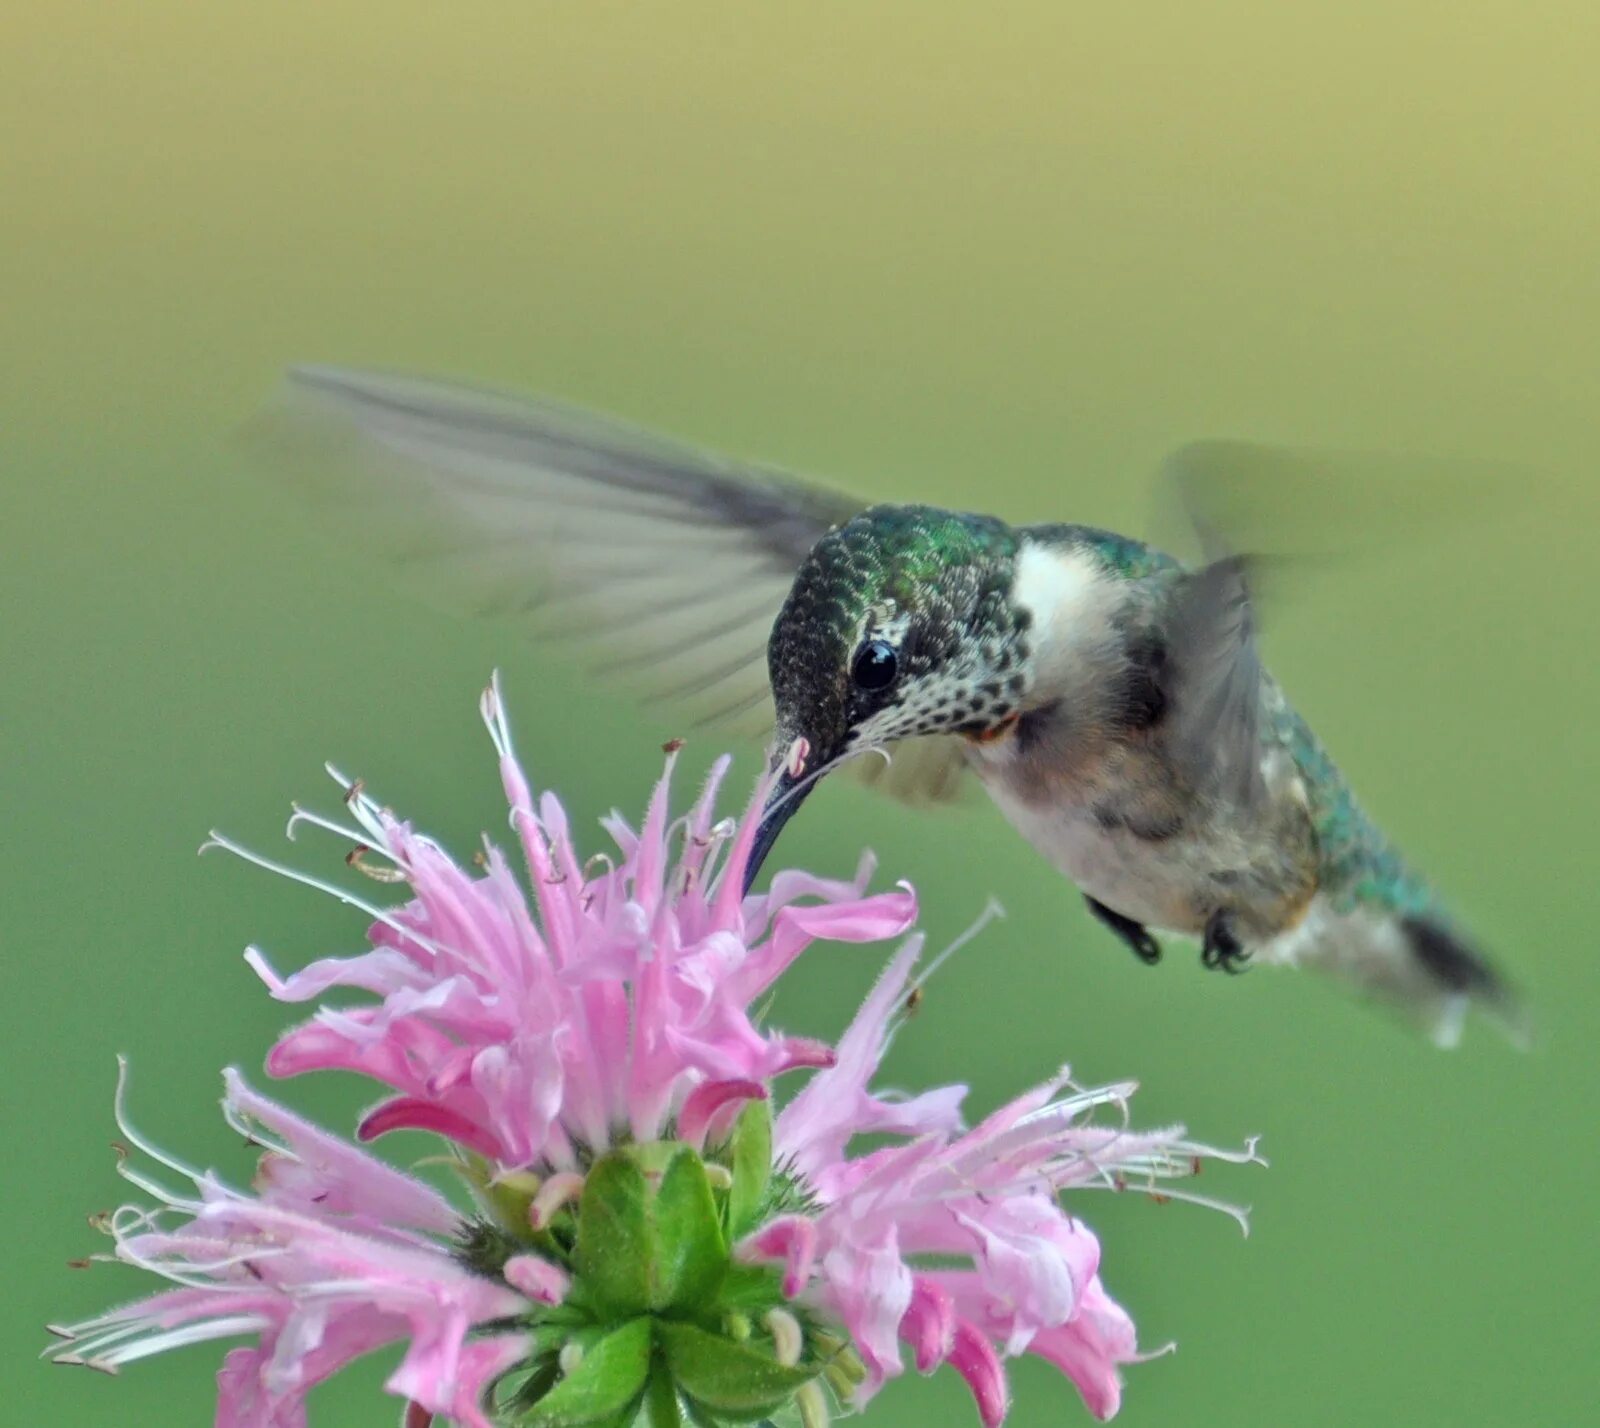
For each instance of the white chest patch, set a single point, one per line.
(1071, 600)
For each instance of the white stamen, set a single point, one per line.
(316, 820)
(195, 1333)
(493, 710)
(787, 1339)
(553, 1194)
(333, 890)
(991, 910)
(367, 813)
(119, 1110)
(155, 1189)
(813, 1405)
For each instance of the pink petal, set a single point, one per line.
(791, 1238)
(974, 1358)
(1089, 1348)
(538, 1278)
(929, 1325)
(331, 1173)
(706, 1099)
(867, 1284)
(409, 1113)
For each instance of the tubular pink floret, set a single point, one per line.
(791, 1238)
(603, 1005)
(538, 1278)
(314, 1268)
(409, 1113)
(1022, 1273)
(706, 1100)
(559, 1190)
(929, 1325)
(622, 999)
(974, 1358)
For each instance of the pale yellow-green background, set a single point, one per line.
(997, 256)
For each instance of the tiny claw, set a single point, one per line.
(672, 746)
(1221, 947)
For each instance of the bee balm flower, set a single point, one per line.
(334, 1255)
(639, 1234)
(1018, 1273)
(614, 1007)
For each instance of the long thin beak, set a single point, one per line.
(787, 795)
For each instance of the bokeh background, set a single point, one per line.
(997, 256)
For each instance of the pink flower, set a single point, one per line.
(593, 1054)
(616, 1003)
(336, 1254)
(1023, 1273)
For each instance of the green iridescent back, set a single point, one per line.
(1358, 865)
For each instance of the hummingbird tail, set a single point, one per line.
(1417, 962)
(1462, 975)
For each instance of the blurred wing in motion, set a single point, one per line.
(931, 769)
(1305, 504)
(1251, 512)
(1215, 682)
(671, 561)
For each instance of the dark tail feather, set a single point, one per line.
(1459, 968)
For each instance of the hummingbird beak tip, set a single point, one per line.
(788, 793)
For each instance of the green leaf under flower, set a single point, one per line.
(691, 1253)
(604, 1388)
(615, 1248)
(662, 1406)
(648, 1238)
(750, 1161)
(736, 1381)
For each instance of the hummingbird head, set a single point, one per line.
(899, 623)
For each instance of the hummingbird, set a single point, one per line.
(1109, 698)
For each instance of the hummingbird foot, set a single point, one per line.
(1135, 934)
(1221, 948)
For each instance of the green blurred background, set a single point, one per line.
(988, 256)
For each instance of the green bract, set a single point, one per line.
(659, 1327)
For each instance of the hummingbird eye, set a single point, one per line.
(875, 666)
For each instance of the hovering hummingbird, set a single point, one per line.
(1109, 698)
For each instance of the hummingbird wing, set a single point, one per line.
(1214, 682)
(1252, 508)
(673, 561)
(1309, 505)
(929, 769)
